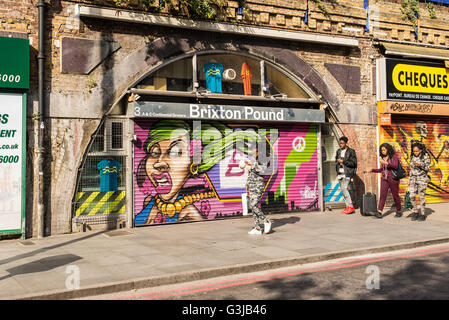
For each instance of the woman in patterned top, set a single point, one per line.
(419, 167)
(254, 186)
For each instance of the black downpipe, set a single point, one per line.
(41, 130)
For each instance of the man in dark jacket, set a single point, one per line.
(346, 165)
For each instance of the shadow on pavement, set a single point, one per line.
(42, 250)
(282, 221)
(42, 265)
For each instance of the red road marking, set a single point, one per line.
(280, 274)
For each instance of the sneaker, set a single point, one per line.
(267, 227)
(398, 215)
(415, 216)
(378, 215)
(421, 217)
(350, 210)
(346, 210)
(255, 231)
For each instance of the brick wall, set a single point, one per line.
(87, 97)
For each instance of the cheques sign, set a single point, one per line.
(11, 153)
(413, 81)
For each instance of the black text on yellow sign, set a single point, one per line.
(423, 79)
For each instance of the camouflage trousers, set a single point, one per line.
(255, 191)
(418, 186)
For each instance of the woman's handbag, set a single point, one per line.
(399, 173)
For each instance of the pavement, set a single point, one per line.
(128, 259)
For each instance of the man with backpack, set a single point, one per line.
(346, 166)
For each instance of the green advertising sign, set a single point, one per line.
(12, 162)
(14, 63)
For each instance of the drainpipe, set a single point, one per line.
(40, 147)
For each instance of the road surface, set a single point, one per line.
(420, 273)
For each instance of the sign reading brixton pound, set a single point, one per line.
(149, 109)
(413, 81)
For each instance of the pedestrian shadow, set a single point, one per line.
(283, 221)
(45, 249)
(427, 212)
(42, 265)
(390, 211)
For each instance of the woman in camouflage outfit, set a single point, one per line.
(418, 180)
(254, 187)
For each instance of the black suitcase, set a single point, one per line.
(369, 203)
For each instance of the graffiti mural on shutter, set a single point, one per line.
(434, 134)
(171, 187)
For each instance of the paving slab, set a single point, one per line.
(149, 256)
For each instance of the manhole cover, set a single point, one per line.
(27, 243)
(117, 233)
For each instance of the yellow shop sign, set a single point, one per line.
(422, 79)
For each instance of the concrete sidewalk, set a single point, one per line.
(148, 256)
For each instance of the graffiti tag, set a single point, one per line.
(309, 193)
(417, 107)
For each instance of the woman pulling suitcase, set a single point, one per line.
(388, 162)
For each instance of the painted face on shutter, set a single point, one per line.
(168, 165)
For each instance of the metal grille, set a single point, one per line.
(98, 144)
(101, 188)
(116, 135)
(434, 134)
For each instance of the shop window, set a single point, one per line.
(101, 188)
(277, 83)
(224, 73)
(333, 195)
(176, 76)
(229, 74)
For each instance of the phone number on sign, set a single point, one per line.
(9, 159)
(9, 78)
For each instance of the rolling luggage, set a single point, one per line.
(369, 202)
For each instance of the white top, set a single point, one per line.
(341, 170)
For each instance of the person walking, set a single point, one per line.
(388, 162)
(418, 180)
(346, 165)
(254, 187)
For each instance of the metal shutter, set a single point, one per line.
(292, 187)
(400, 134)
